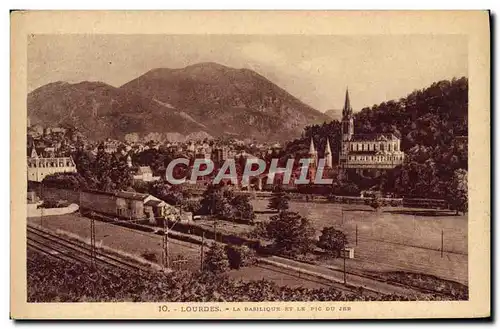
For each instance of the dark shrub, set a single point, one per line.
(240, 256)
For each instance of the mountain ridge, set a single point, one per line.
(207, 97)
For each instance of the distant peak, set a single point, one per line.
(210, 65)
(65, 84)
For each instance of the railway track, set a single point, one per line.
(418, 289)
(70, 251)
(305, 277)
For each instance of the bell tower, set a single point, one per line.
(347, 119)
(313, 155)
(328, 154)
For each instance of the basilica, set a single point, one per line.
(366, 154)
(362, 152)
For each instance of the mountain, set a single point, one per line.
(228, 101)
(99, 110)
(335, 114)
(205, 99)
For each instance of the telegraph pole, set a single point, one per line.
(215, 229)
(167, 252)
(356, 234)
(343, 254)
(163, 253)
(442, 242)
(92, 243)
(202, 250)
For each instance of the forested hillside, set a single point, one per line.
(432, 124)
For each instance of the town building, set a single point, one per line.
(125, 205)
(141, 173)
(145, 174)
(39, 167)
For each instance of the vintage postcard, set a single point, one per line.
(250, 165)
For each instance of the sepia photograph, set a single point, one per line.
(199, 172)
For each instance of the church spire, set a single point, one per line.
(328, 150)
(347, 118)
(347, 110)
(312, 149)
(328, 154)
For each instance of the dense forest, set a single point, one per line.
(432, 124)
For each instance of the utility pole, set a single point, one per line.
(343, 254)
(163, 246)
(356, 234)
(92, 243)
(215, 229)
(167, 253)
(442, 242)
(342, 209)
(202, 250)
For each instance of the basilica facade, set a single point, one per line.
(361, 152)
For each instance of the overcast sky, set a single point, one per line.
(316, 69)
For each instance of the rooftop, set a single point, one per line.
(374, 137)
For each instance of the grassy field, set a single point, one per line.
(394, 238)
(117, 237)
(137, 243)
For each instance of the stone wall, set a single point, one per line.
(41, 212)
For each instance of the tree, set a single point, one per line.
(192, 206)
(259, 231)
(171, 195)
(332, 241)
(240, 256)
(85, 167)
(212, 199)
(120, 173)
(73, 181)
(279, 200)
(243, 208)
(216, 260)
(291, 233)
(458, 192)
